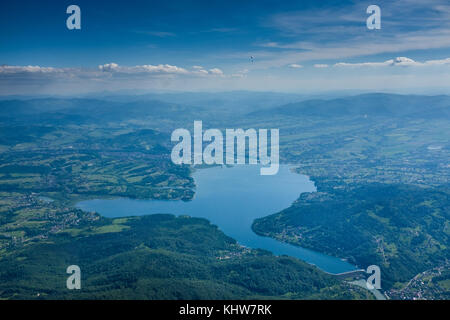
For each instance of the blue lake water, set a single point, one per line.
(232, 198)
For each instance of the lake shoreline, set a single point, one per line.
(232, 198)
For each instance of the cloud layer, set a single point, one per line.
(159, 69)
(109, 69)
(399, 61)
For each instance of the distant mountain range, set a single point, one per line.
(77, 110)
(374, 104)
(88, 110)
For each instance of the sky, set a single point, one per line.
(286, 46)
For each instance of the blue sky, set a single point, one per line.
(297, 46)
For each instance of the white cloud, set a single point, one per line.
(358, 46)
(320, 65)
(363, 64)
(216, 71)
(146, 68)
(201, 72)
(438, 62)
(159, 69)
(109, 67)
(403, 62)
(37, 79)
(108, 76)
(399, 61)
(109, 70)
(271, 44)
(334, 33)
(295, 66)
(4, 69)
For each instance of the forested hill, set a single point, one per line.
(403, 229)
(160, 257)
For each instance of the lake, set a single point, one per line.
(231, 198)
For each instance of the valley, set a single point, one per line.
(381, 174)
